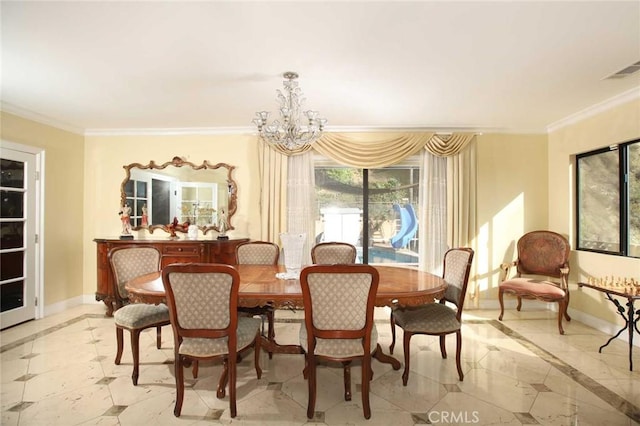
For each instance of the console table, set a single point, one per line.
(628, 316)
(173, 251)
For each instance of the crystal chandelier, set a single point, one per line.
(288, 133)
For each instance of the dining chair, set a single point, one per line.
(338, 323)
(203, 307)
(128, 263)
(260, 253)
(541, 255)
(329, 253)
(437, 319)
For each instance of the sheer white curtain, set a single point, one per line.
(301, 199)
(433, 213)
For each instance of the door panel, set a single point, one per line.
(17, 237)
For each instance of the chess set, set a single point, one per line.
(625, 285)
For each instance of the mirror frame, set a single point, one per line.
(179, 162)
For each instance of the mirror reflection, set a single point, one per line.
(202, 195)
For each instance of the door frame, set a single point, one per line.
(39, 225)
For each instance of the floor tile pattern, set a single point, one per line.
(60, 371)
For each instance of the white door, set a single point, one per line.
(18, 195)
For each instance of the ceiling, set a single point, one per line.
(145, 66)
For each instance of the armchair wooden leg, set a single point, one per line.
(500, 299)
(562, 306)
(566, 314)
(519, 304)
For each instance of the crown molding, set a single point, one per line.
(598, 108)
(171, 131)
(39, 118)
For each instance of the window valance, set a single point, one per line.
(377, 150)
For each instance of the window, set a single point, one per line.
(385, 199)
(608, 200)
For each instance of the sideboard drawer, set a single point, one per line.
(181, 250)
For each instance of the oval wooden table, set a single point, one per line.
(259, 286)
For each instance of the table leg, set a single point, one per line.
(630, 325)
(273, 347)
(386, 359)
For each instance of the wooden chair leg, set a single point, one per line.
(346, 366)
(232, 384)
(366, 380)
(311, 379)
(195, 369)
(500, 299)
(458, 353)
(271, 332)
(135, 350)
(392, 320)
(519, 307)
(443, 346)
(561, 308)
(120, 344)
(256, 356)
(159, 337)
(222, 384)
(566, 314)
(179, 373)
(406, 341)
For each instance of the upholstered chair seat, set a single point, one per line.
(339, 348)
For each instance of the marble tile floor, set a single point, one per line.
(59, 371)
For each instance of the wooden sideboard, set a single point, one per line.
(173, 251)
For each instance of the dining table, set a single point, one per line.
(260, 286)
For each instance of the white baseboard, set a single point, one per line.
(589, 320)
(58, 307)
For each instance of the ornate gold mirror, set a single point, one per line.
(178, 190)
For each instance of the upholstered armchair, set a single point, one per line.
(203, 306)
(541, 255)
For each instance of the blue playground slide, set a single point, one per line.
(408, 226)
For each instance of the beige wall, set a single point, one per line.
(512, 200)
(63, 218)
(524, 183)
(616, 125)
(105, 157)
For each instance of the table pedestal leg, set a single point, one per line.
(630, 325)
